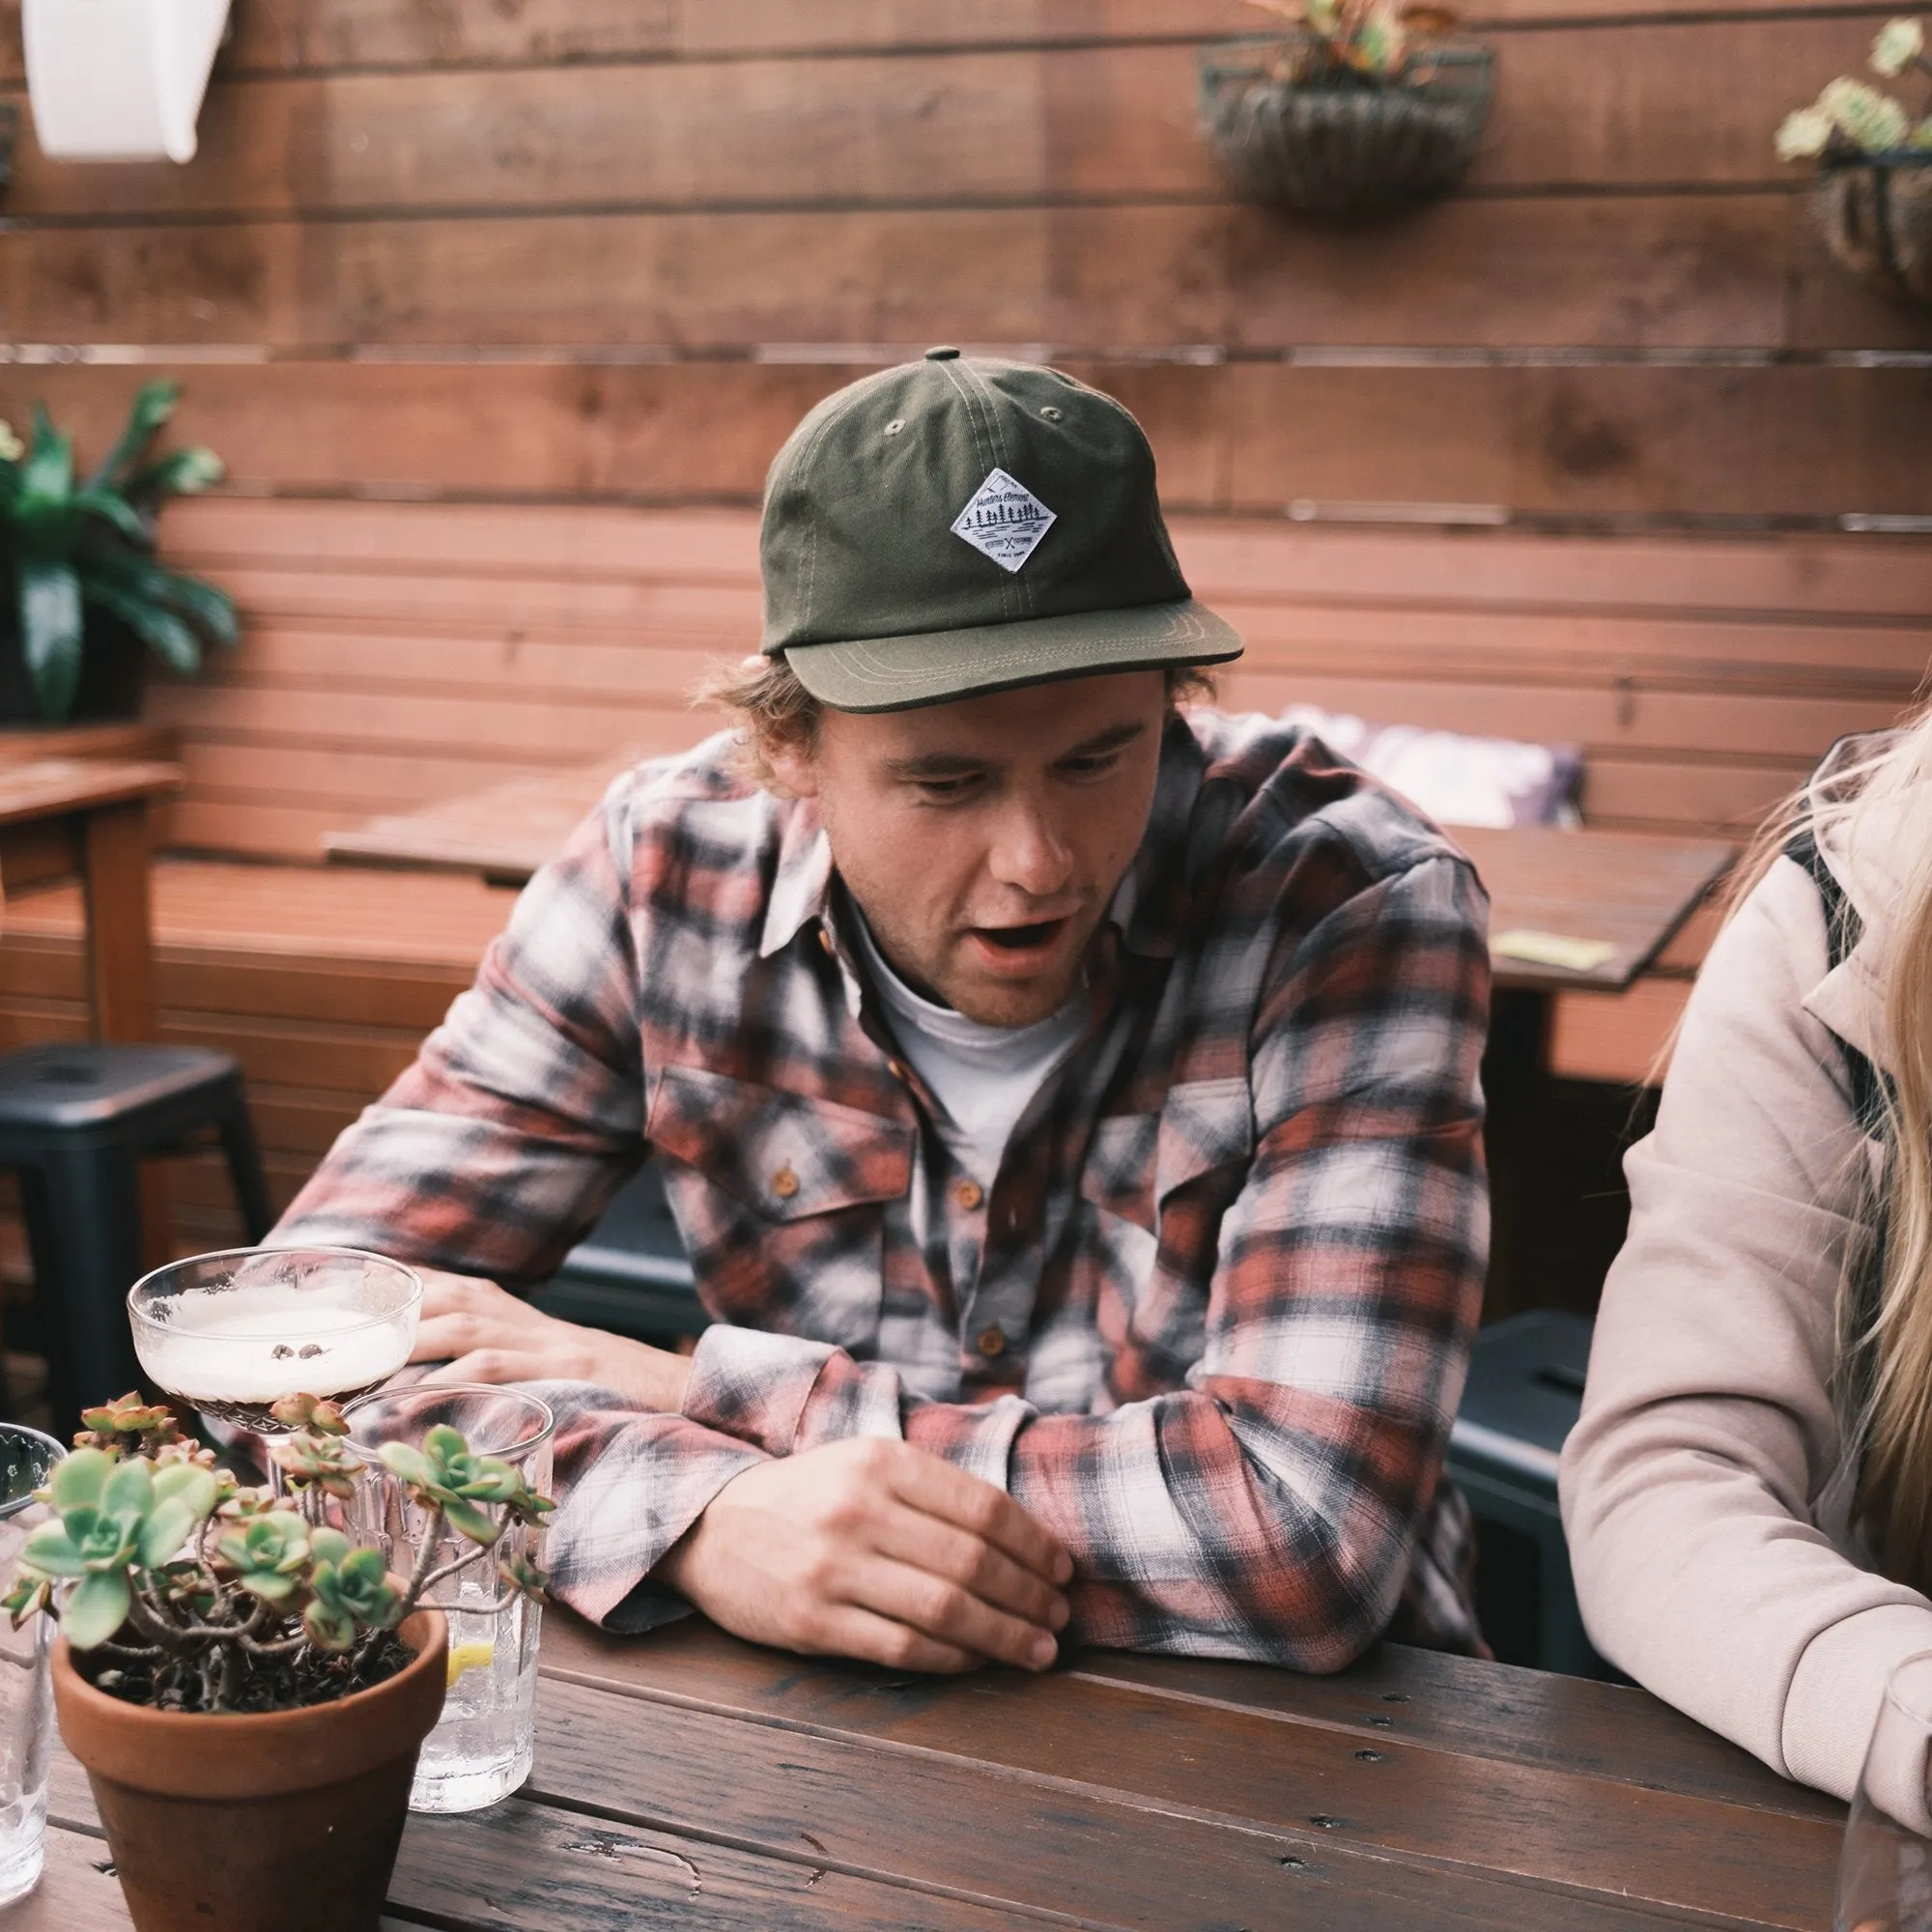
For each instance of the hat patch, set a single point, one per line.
(1005, 519)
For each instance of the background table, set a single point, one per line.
(687, 1780)
(62, 817)
(1629, 890)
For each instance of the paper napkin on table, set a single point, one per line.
(1553, 948)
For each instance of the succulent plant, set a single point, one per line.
(445, 1475)
(1852, 118)
(159, 1563)
(1353, 40)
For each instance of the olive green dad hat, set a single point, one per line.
(958, 525)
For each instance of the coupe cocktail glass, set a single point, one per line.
(232, 1333)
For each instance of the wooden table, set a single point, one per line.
(1625, 889)
(687, 1780)
(60, 817)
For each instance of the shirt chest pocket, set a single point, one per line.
(780, 1199)
(1136, 1162)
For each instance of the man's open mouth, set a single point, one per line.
(1021, 938)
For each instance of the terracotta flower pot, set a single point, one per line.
(257, 1823)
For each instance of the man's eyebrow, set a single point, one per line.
(1110, 740)
(935, 765)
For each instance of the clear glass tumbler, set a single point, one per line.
(27, 1459)
(482, 1747)
(1884, 1871)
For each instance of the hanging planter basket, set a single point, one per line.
(1349, 144)
(1875, 213)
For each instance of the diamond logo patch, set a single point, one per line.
(1005, 519)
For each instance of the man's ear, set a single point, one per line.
(793, 767)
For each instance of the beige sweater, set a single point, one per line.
(1706, 1489)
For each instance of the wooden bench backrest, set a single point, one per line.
(396, 654)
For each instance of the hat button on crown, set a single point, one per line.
(945, 353)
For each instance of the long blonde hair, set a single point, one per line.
(1872, 806)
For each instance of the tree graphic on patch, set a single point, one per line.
(1005, 519)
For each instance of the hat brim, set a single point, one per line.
(938, 667)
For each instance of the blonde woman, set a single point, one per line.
(1748, 1495)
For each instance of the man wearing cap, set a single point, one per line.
(1068, 1102)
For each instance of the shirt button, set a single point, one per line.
(785, 1183)
(969, 1194)
(992, 1343)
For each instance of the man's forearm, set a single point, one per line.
(1183, 1536)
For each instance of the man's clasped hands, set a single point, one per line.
(864, 1547)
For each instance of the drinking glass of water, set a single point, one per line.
(482, 1747)
(1884, 1871)
(27, 1459)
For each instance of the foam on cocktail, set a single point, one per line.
(254, 1346)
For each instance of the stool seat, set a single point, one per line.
(76, 1122)
(74, 1090)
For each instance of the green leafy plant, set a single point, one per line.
(1353, 43)
(1852, 118)
(70, 543)
(190, 1591)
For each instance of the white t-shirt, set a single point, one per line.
(984, 1077)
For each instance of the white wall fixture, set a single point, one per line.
(119, 80)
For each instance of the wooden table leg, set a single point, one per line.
(121, 969)
(120, 923)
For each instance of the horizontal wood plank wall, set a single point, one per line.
(614, 249)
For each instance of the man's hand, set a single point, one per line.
(489, 1336)
(878, 1550)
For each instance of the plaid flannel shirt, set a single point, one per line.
(1227, 1272)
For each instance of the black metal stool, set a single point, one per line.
(76, 1122)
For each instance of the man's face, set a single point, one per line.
(984, 840)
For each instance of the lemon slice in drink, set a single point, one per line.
(469, 1657)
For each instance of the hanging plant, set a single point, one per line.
(1360, 106)
(1872, 198)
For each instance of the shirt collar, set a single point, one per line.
(802, 886)
(1147, 906)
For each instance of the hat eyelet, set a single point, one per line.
(897, 424)
(1051, 414)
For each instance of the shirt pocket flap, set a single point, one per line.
(1134, 1161)
(1205, 1125)
(785, 1155)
